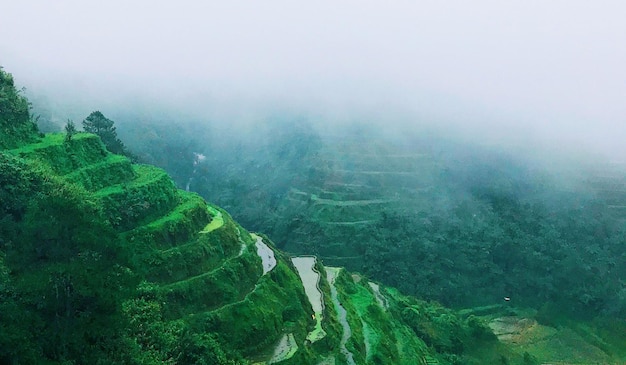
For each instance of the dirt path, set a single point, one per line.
(207, 273)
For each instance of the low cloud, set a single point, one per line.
(550, 71)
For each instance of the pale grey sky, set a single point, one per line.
(550, 68)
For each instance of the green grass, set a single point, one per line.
(217, 220)
(173, 249)
(213, 247)
(362, 299)
(228, 283)
(63, 158)
(145, 175)
(254, 324)
(113, 169)
(565, 346)
(150, 195)
(49, 139)
(176, 227)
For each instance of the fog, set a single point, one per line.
(516, 71)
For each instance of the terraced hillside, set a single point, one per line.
(191, 255)
(190, 284)
(459, 223)
(362, 181)
(106, 262)
(206, 280)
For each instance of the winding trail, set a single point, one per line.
(331, 275)
(211, 272)
(305, 265)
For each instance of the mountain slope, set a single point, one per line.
(204, 291)
(482, 222)
(104, 261)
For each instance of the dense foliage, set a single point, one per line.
(65, 273)
(103, 127)
(481, 225)
(104, 262)
(16, 125)
(67, 279)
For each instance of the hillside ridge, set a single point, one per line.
(105, 261)
(198, 270)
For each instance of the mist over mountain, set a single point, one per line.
(538, 73)
(434, 183)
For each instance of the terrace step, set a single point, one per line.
(112, 170)
(190, 260)
(228, 283)
(150, 195)
(248, 321)
(180, 225)
(64, 157)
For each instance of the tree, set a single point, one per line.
(97, 123)
(70, 130)
(16, 125)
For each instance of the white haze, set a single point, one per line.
(547, 71)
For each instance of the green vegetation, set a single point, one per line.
(216, 222)
(460, 224)
(103, 127)
(148, 196)
(16, 125)
(105, 262)
(70, 131)
(65, 278)
(483, 225)
(113, 169)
